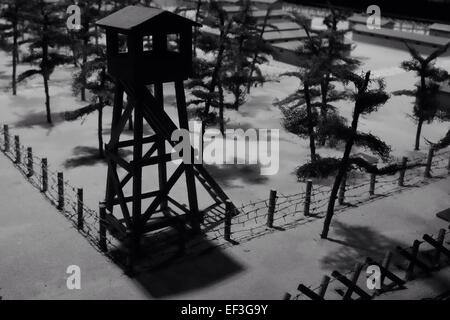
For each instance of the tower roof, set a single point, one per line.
(134, 17)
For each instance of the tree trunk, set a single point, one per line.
(343, 167)
(83, 67)
(101, 153)
(422, 110)
(14, 57)
(418, 133)
(255, 56)
(323, 108)
(221, 107)
(47, 97)
(218, 66)
(46, 78)
(312, 144)
(195, 36)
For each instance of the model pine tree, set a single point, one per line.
(426, 107)
(207, 83)
(368, 96)
(248, 52)
(47, 34)
(12, 17)
(101, 91)
(331, 52)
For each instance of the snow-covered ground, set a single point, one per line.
(37, 245)
(71, 146)
(263, 268)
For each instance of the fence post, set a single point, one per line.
(373, 179)
(308, 197)
(341, 197)
(17, 148)
(60, 191)
(44, 167)
(437, 255)
(80, 221)
(6, 137)
(228, 215)
(102, 227)
(401, 178)
(30, 167)
(272, 202)
(429, 163)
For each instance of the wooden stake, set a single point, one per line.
(272, 202)
(429, 163)
(102, 227)
(373, 178)
(80, 221)
(401, 178)
(228, 215)
(44, 167)
(6, 137)
(17, 148)
(308, 197)
(30, 162)
(60, 191)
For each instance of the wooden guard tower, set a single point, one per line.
(147, 60)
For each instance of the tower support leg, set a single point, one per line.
(137, 178)
(162, 166)
(189, 171)
(117, 112)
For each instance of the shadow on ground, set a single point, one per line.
(164, 270)
(357, 243)
(226, 174)
(39, 119)
(88, 156)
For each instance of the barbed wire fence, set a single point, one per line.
(232, 224)
(428, 260)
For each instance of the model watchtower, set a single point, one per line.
(147, 47)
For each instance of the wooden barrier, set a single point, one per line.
(413, 260)
(349, 284)
(271, 211)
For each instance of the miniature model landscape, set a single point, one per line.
(264, 234)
